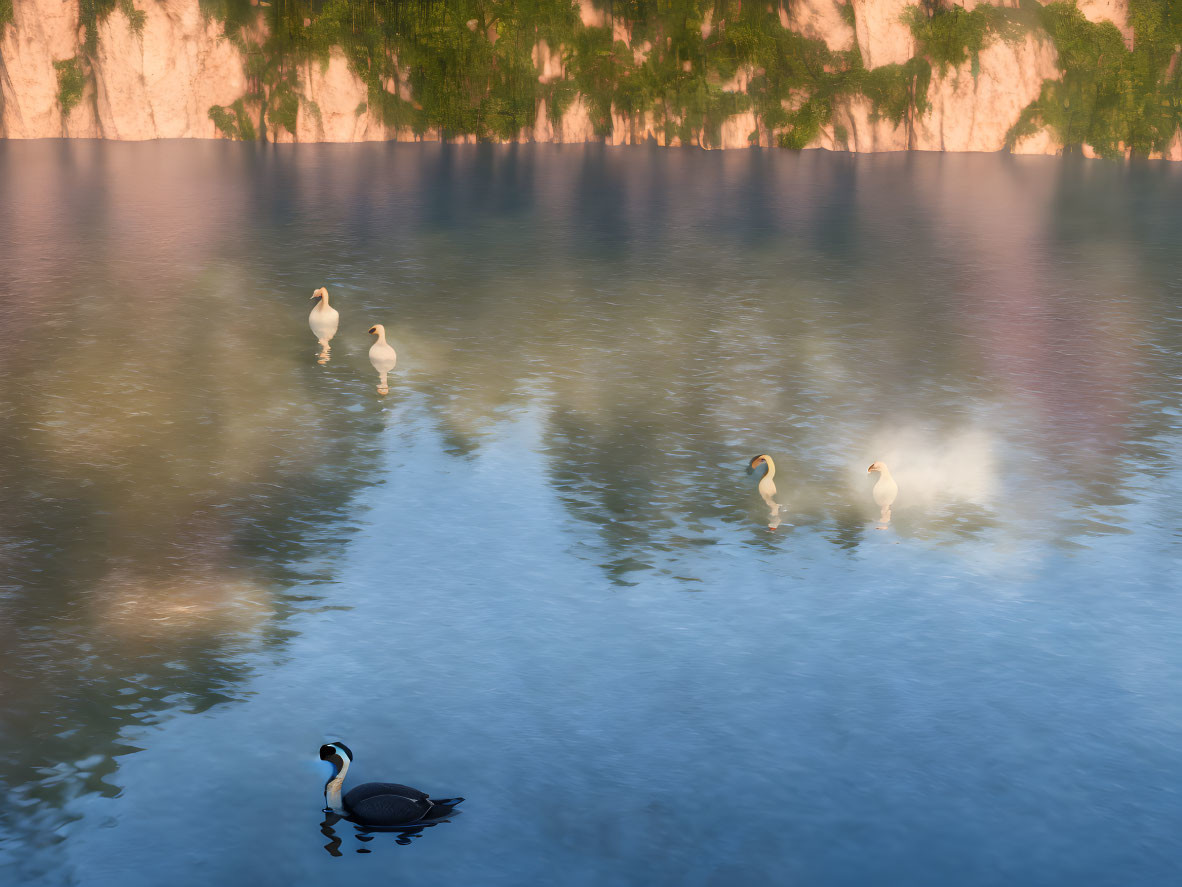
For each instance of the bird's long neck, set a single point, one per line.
(332, 788)
(323, 303)
(767, 486)
(885, 473)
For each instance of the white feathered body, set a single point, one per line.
(382, 356)
(767, 491)
(885, 490)
(324, 321)
(767, 487)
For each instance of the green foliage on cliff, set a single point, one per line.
(683, 69)
(72, 73)
(225, 121)
(245, 124)
(470, 67)
(135, 17)
(234, 121)
(1110, 97)
(949, 36)
(898, 90)
(467, 67)
(283, 107)
(70, 82)
(92, 12)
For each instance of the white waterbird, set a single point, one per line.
(382, 356)
(324, 321)
(884, 491)
(767, 487)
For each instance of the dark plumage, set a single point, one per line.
(388, 803)
(755, 462)
(384, 803)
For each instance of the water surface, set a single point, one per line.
(535, 573)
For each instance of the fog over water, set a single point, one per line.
(536, 573)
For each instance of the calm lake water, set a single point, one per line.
(536, 573)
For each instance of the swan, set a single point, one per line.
(884, 491)
(382, 356)
(377, 803)
(767, 487)
(323, 320)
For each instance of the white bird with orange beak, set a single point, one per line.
(324, 321)
(884, 491)
(382, 356)
(767, 487)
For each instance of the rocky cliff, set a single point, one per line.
(865, 75)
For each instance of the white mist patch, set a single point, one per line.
(931, 468)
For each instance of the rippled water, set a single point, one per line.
(536, 573)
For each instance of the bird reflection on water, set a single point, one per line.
(366, 833)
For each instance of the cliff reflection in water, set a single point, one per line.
(177, 467)
(166, 464)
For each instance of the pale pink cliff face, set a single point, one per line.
(162, 82)
(576, 125)
(970, 113)
(548, 62)
(543, 127)
(334, 106)
(157, 84)
(41, 34)
(739, 131)
(1115, 11)
(1175, 150)
(1041, 142)
(819, 20)
(591, 16)
(883, 36)
(863, 133)
(632, 130)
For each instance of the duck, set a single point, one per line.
(382, 356)
(767, 486)
(323, 320)
(884, 491)
(378, 803)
